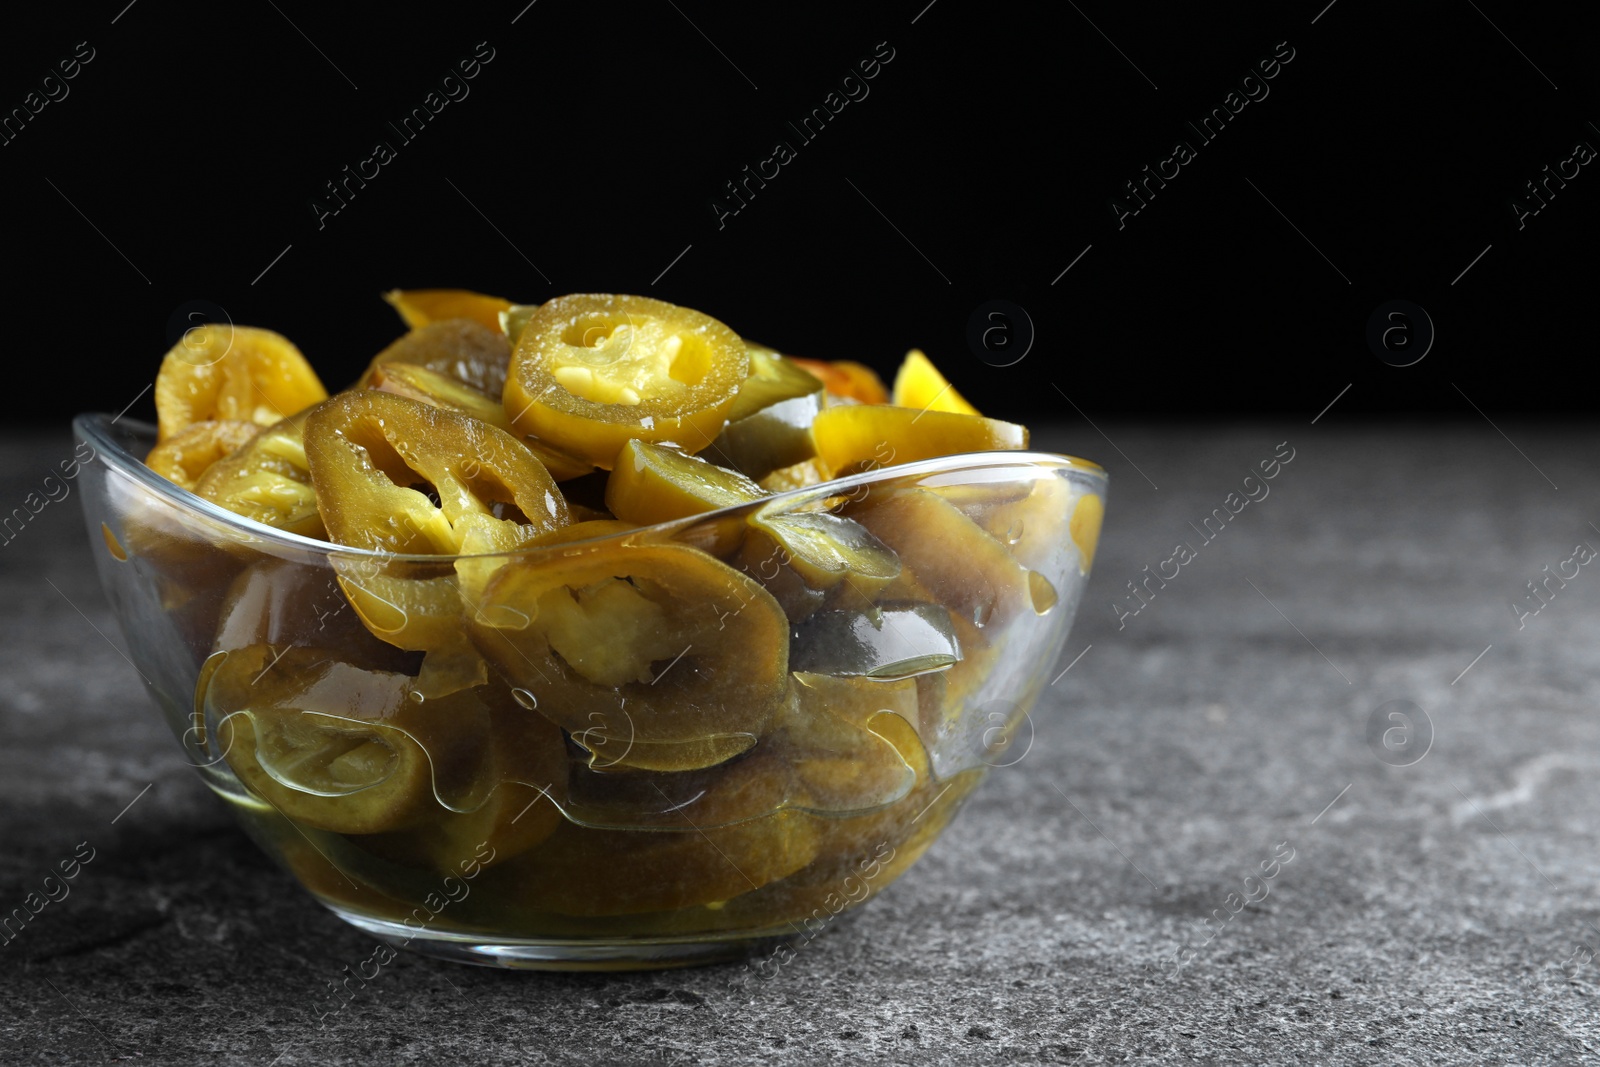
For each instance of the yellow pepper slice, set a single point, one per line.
(918, 384)
(862, 436)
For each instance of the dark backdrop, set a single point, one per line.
(179, 169)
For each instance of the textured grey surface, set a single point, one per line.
(1440, 912)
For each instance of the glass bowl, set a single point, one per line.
(667, 745)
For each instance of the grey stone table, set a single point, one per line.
(1434, 877)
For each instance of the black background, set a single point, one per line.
(188, 152)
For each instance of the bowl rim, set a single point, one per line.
(95, 428)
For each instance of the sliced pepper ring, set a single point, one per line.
(418, 307)
(462, 348)
(652, 656)
(222, 371)
(838, 746)
(448, 391)
(267, 479)
(185, 457)
(593, 371)
(340, 748)
(367, 451)
(375, 459)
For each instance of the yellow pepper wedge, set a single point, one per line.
(863, 436)
(918, 384)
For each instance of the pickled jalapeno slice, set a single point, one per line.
(448, 391)
(771, 564)
(593, 371)
(769, 425)
(514, 319)
(650, 484)
(508, 807)
(596, 872)
(419, 610)
(774, 438)
(463, 348)
(407, 477)
(852, 743)
(267, 479)
(404, 477)
(185, 456)
(801, 475)
(828, 550)
(894, 640)
(333, 746)
(838, 745)
(654, 656)
(419, 307)
(439, 390)
(954, 560)
(773, 379)
(227, 372)
(280, 603)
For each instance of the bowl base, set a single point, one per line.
(634, 954)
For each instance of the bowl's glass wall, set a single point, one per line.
(532, 768)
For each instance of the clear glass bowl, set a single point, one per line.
(664, 746)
